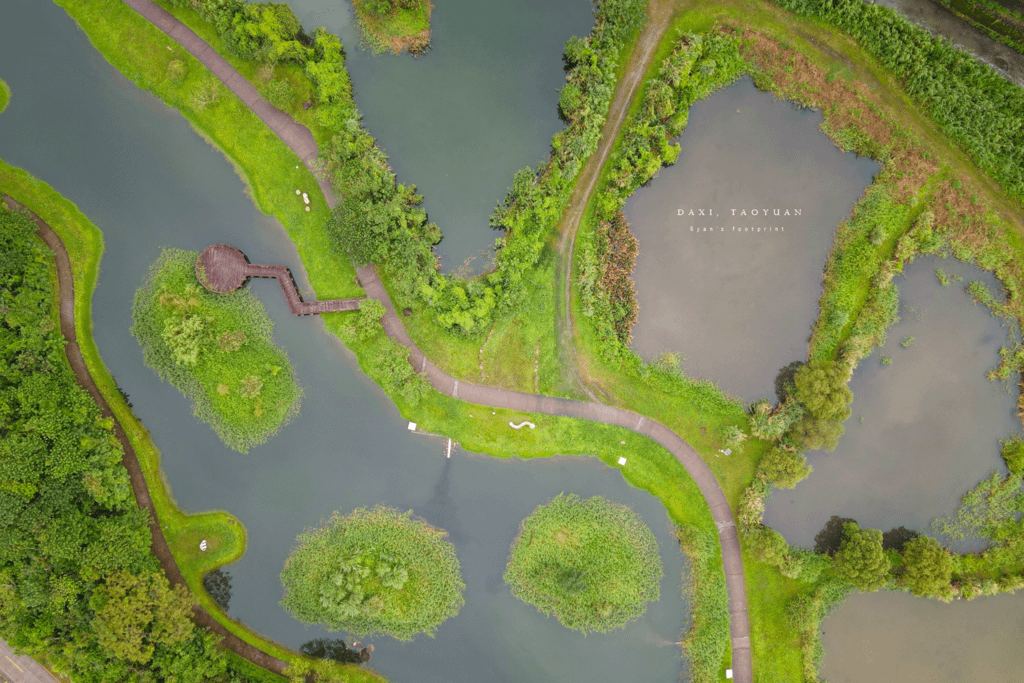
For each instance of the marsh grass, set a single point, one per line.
(5, 95)
(592, 563)
(217, 349)
(401, 29)
(374, 571)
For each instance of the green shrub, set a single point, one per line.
(373, 571)
(928, 567)
(1013, 454)
(592, 563)
(860, 559)
(783, 467)
(217, 349)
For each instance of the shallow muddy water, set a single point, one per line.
(138, 171)
(924, 429)
(896, 637)
(736, 295)
(459, 121)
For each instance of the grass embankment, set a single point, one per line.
(5, 95)
(217, 349)
(395, 25)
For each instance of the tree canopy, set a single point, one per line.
(928, 565)
(860, 559)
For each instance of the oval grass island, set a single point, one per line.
(592, 563)
(374, 571)
(217, 349)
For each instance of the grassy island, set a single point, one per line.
(5, 95)
(592, 563)
(217, 349)
(395, 25)
(374, 571)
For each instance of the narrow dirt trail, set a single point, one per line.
(66, 287)
(659, 18)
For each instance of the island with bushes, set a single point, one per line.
(592, 563)
(372, 571)
(395, 25)
(217, 349)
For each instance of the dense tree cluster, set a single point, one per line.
(270, 33)
(860, 559)
(820, 387)
(78, 583)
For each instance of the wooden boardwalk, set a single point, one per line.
(222, 269)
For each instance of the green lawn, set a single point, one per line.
(5, 95)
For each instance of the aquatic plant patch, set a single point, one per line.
(217, 349)
(592, 563)
(373, 571)
(395, 25)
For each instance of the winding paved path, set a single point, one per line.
(66, 287)
(300, 140)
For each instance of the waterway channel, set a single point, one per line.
(148, 181)
(736, 294)
(459, 121)
(924, 429)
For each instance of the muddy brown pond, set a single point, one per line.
(896, 637)
(735, 292)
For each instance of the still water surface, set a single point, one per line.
(924, 429)
(148, 181)
(896, 637)
(459, 121)
(738, 303)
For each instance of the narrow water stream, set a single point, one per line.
(148, 181)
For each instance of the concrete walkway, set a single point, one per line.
(20, 669)
(300, 140)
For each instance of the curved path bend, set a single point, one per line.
(66, 287)
(300, 140)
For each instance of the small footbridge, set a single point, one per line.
(223, 269)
